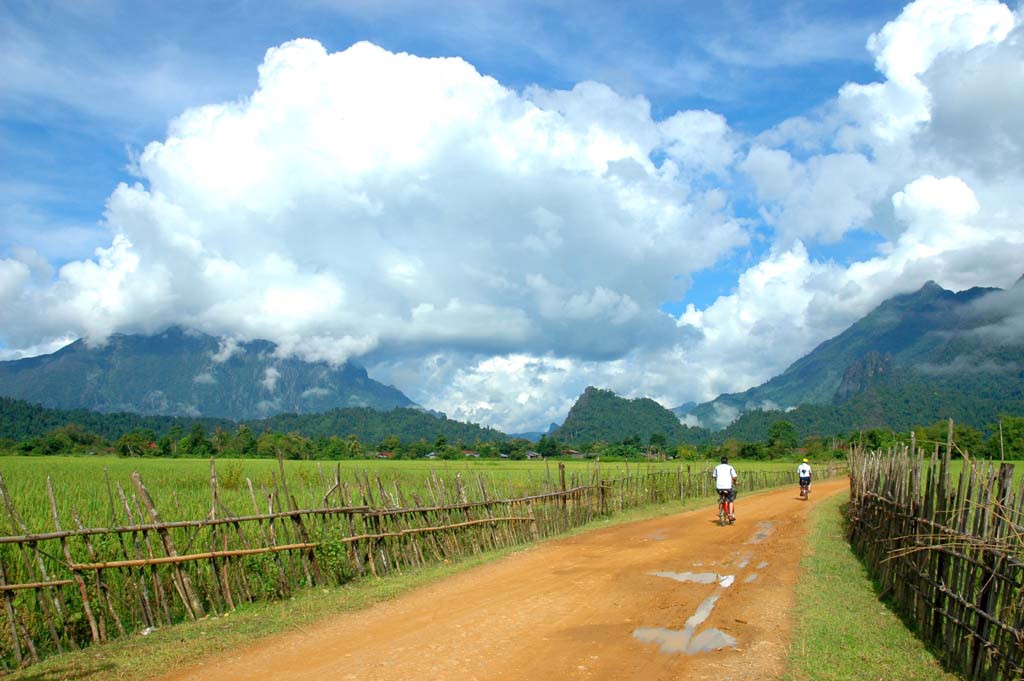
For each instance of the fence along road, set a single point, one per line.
(949, 555)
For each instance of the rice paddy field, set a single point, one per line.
(89, 486)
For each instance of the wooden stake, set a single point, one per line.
(67, 556)
(188, 595)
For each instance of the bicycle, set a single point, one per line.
(724, 517)
(805, 490)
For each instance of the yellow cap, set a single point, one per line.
(805, 460)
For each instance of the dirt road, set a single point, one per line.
(676, 597)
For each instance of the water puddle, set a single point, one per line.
(675, 641)
(762, 565)
(750, 578)
(697, 577)
(658, 535)
(765, 529)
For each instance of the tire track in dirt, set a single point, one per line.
(626, 602)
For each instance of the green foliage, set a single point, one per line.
(603, 415)
(1007, 440)
(549, 446)
(782, 438)
(136, 443)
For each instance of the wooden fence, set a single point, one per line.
(948, 555)
(66, 587)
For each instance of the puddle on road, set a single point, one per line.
(762, 565)
(697, 577)
(765, 529)
(675, 641)
(750, 578)
(710, 639)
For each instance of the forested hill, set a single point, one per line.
(20, 421)
(601, 415)
(371, 425)
(183, 373)
(958, 344)
(897, 406)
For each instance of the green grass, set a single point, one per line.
(181, 487)
(842, 631)
(143, 657)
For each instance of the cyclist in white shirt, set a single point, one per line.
(725, 482)
(803, 471)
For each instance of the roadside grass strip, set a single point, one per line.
(841, 630)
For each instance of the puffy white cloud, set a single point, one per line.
(13, 276)
(378, 205)
(270, 377)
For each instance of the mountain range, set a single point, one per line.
(911, 347)
(914, 359)
(184, 373)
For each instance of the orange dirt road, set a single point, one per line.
(676, 597)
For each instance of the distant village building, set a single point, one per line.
(384, 455)
(534, 455)
(572, 454)
(470, 453)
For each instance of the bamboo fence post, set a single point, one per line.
(102, 588)
(31, 566)
(150, 614)
(79, 582)
(140, 593)
(11, 617)
(191, 601)
(561, 479)
(220, 569)
(29, 643)
(349, 526)
(268, 533)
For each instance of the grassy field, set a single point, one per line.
(863, 639)
(181, 487)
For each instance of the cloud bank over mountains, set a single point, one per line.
(491, 252)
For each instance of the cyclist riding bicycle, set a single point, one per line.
(725, 483)
(803, 471)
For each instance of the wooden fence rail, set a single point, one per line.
(64, 587)
(949, 555)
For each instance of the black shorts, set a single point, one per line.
(730, 494)
(805, 482)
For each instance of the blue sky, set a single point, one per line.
(674, 201)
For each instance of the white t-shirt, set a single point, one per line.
(803, 470)
(723, 475)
